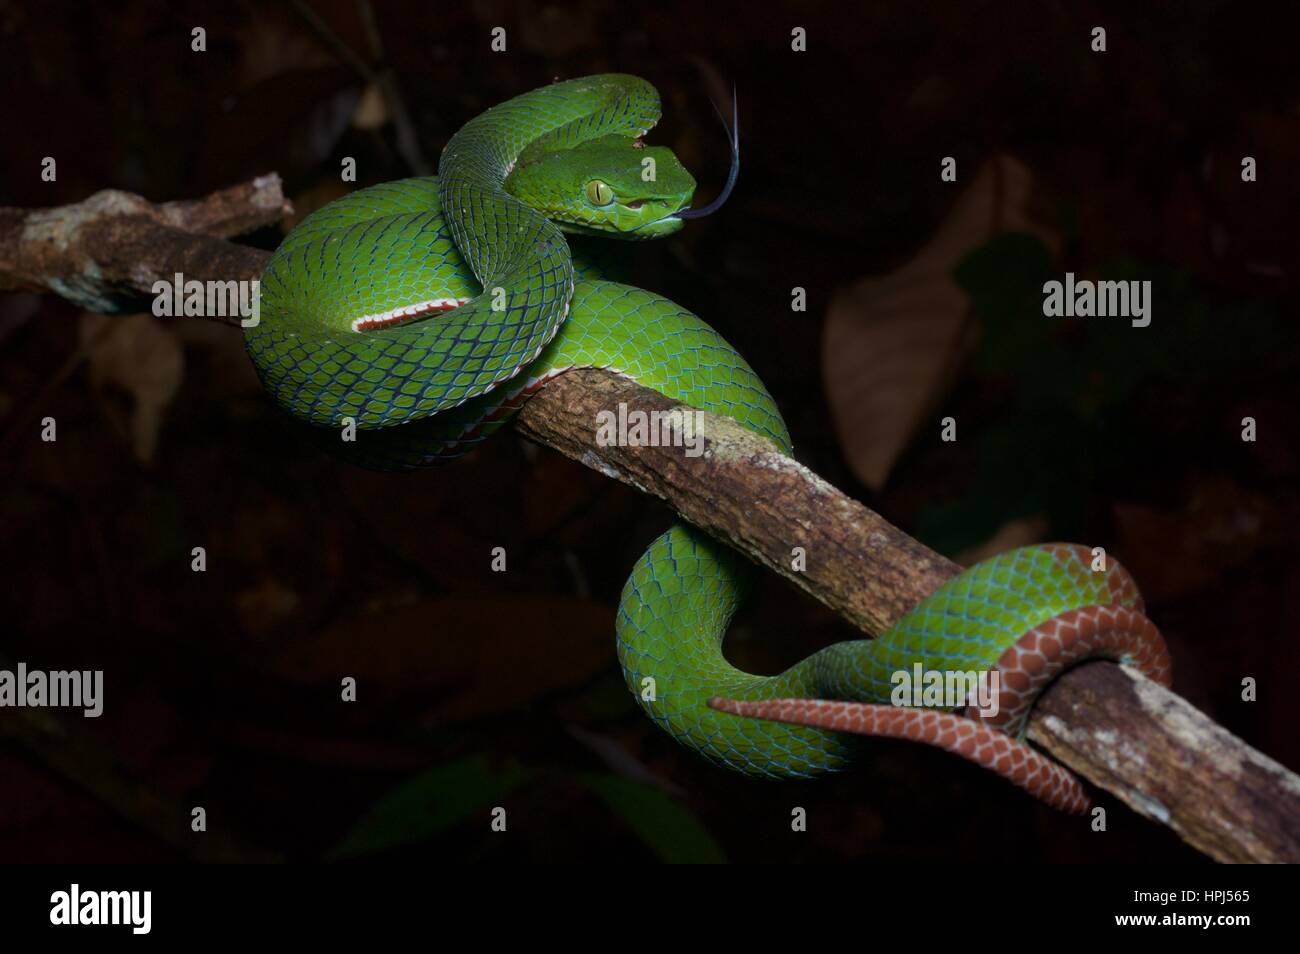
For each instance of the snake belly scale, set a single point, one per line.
(427, 310)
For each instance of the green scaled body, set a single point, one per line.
(421, 389)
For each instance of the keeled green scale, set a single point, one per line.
(418, 389)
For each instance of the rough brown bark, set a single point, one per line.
(1126, 734)
(1120, 730)
(743, 490)
(106, 253)
(1171, 763)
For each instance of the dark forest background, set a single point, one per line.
(924, 301)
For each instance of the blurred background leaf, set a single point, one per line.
(667, 827)
(430, 803)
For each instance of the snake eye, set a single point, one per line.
(599, 193)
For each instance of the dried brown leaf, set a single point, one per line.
(893, 343)
(142, 358)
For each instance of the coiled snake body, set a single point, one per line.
(426, 310)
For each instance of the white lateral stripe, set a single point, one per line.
(410, 311)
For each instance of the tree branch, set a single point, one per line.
(743, 490)
(1123, 732)
(105, 253)
(1120, 730)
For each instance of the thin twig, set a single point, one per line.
(382, 78)
(408, 143)
(68, 750)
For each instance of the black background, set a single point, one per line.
(481, 689)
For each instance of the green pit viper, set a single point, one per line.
(426, 311)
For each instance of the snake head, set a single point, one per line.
(613, 186)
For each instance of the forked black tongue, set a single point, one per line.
(733, 133)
